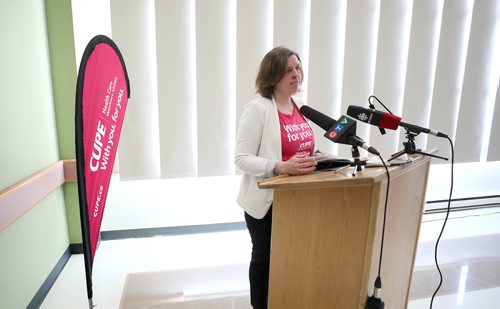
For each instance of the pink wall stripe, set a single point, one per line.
(19, 198)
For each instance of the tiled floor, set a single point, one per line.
(210, 270)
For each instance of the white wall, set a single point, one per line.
(32, 245)
(470, 180)
(139, 204)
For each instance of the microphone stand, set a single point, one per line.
(357, 164)
(409, 147)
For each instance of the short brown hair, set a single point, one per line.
(272, 69)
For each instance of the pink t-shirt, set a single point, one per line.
(297, 137)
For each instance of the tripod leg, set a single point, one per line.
(430, 155)
(397, 155)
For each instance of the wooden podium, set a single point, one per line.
(326, 235)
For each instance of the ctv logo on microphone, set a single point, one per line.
(343, 126)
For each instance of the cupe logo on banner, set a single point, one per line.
(102, 95)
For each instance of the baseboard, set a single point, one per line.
(173, 230)
(462, 204)
(76, 248)
(42, 292)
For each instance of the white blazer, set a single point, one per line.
(257, 151)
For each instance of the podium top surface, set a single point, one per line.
(343, 178)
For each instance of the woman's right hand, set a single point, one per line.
(299, 164)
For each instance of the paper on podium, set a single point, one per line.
(374, 161)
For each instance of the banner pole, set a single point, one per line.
(84, 221)
(82, 189)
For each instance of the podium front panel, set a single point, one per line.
(326, 237)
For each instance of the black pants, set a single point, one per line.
(260, 232)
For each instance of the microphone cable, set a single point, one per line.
(370, 105)
(375, 302)
(444, 224)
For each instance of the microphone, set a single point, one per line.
(417, 129)
(341, 131)
(386, 120)
(374, 117)
(323, 121)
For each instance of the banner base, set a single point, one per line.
(91, 304)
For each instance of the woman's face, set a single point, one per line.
(290, 82)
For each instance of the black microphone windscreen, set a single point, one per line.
(354, 110)
(365, 115)
(322, 120)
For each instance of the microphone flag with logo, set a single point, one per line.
(341, 130)
(102, 94)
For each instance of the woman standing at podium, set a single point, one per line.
(273, 139)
